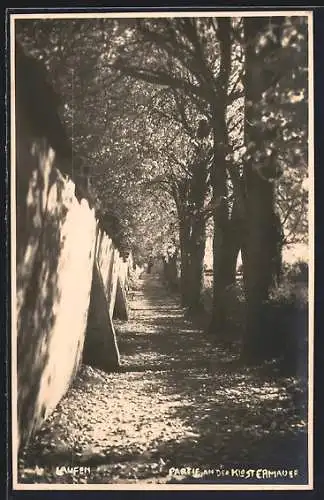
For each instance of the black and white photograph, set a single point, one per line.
(162, 227)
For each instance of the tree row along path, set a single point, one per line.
(181, 401)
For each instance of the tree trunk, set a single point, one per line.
(259, 262)
(196, 198)
(221, 221)
(234, 243)
(219, 182)
(173, 275)
(170, 271)
(277, 250)
(261, 243)
(192, 232)
(196, 270)
(184, 233)
(192, 248)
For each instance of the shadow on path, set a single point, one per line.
(178, 403)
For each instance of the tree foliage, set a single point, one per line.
(157, 109)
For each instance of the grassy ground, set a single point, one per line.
(182, 401)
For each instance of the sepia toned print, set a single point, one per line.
(162, 250)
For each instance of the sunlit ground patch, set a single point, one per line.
(181, 401)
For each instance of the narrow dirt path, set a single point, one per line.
(181, 402)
